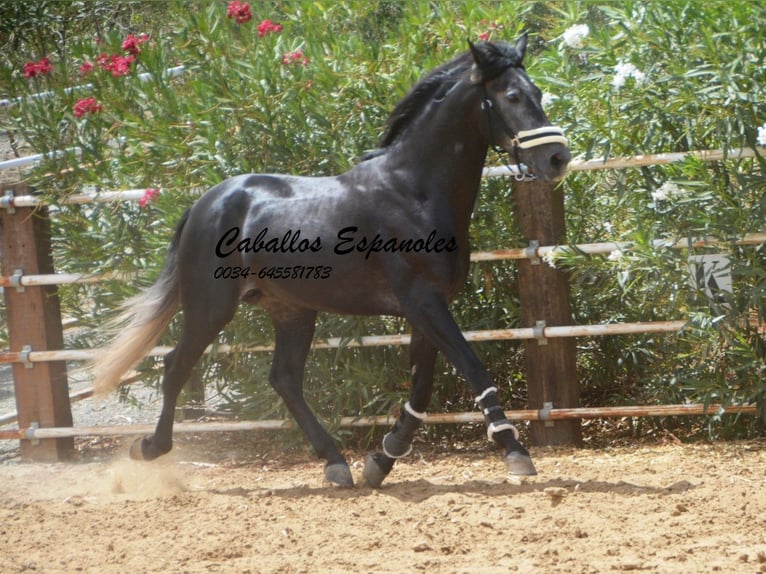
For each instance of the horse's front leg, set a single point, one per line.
(428, 312)
(398, 442)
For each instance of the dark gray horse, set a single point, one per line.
(389, 237)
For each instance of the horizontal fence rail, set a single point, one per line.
(541, 332)
(532, 252)
(510, 170)
(386, 420)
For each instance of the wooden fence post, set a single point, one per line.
(544, 294)
(34, 324)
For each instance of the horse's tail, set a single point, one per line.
(142, 321)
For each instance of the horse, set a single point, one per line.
(387, 237)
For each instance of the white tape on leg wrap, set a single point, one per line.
(394, 456)
(492, 428)
(413, 412)
(483, 395)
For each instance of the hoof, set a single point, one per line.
(339, 474)
(519, 464)
(137, 449)
(146, 449)
(376, 469)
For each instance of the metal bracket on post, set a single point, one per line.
(24, 356)
(531, 252)
(15, 280)
(545, 414)
(539, 332)
(33, 426)
(7, 201)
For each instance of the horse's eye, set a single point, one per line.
(512, 95)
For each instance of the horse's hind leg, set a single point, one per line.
(203, 320)
(398, 443)
(294, 330)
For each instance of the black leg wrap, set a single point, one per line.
(494, 415)
(499, 429)
(398, 442)
(491, 409)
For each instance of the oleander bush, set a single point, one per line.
(305, 87)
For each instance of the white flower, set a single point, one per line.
(762, 135)
(574, 35)
(671, 190)
(667, 192)
(623, 71)
(550, 258)
(663, 192)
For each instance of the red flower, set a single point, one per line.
(296, 57)
(86, 68)
(491, 27)
(32, 69)
(118, 65)
(267, 26)
(149, 196)
(240, 11)
(131, 43)
(86, 106)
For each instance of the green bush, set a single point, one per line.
(312, 94)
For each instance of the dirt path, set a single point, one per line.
(662, 509)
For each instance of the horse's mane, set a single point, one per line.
(432, 86)
(496, 58)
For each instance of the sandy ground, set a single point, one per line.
(666, 508)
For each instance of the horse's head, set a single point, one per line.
(513, 115)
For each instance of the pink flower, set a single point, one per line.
(131, 43)
(121, 65)
(86, 68)
(118, 65)
(240, 11)
(296, 57)
(86, 106)
(267, 26)
(150, 195)
(32, 69)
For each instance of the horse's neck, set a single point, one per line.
(443, 157)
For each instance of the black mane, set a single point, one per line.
(432, 86)
(495, 59)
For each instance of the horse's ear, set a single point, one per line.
(521, 46)
(478, 60)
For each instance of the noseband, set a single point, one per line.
(524, 139)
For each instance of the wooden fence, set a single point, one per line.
(45, 426)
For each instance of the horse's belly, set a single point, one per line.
(323, 288)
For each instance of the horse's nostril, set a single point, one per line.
(560, 160)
